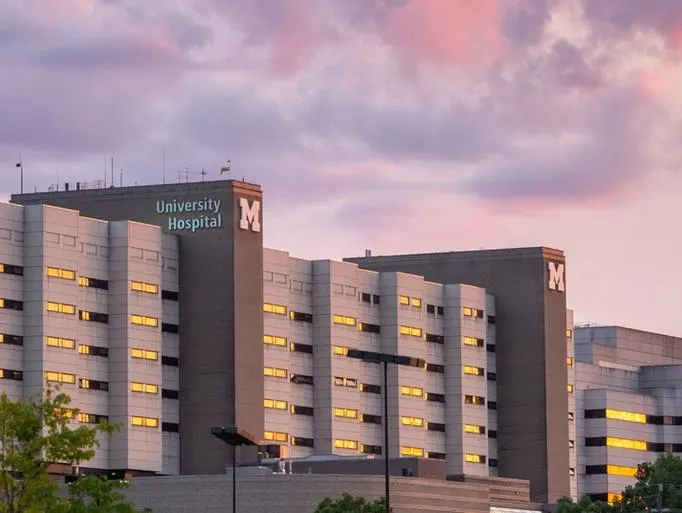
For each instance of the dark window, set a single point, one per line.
(440, 310)
(376, 299)
(595, 441)
(436, 398)
(300, 379)
(92, 384)
(170, 295)
(301, 348)
(93, 283)
(479, 313)
(492, 433)
(370, 389)
(595, 414)
(370, 328)
(371, 419)
(436, 339)
(84, 315)
(170, 427)
(11, 374)
(492, 376)
(434, 367)
(436, 455)
(491, 319)
(677, 447)
(595, 469)
(366, 298)
(490, 348)
(11, 304)
(492, 463)
(431, 309)
(492, 405)
(302, 442)
(15, 340)
(170, 394)
(17, 270)
(170, 361)
(435, 426)
(371, 449)
(94, 350)
(302, 410)
(167, 327)
(599, 497)
(301, 316)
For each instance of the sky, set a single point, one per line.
(392, 125)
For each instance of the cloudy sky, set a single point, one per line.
(395, 125)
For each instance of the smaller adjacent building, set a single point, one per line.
(629, 404)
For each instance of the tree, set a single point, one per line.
(37, 432)
(349, 504)
(584, 505)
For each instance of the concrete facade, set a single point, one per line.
(629, 399)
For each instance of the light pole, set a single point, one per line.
(385, 359)
(233, 436)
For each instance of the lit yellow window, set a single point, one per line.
(474, 458)
(416, 302)
(618, 470)
(625, 443)
(413, 391)
(472, 341)
(2, 268)
(569, 388)
(275, 372)
(60, 377)
(86, 418)
(412, 451)
(404, 300)
(473, 371)
(614, 497)
(274, 404)
(467, 312)
(61, 308)
(346, 412)
(144, 422)
(272, 340)
(569, 361)
(144, 354)
(412, 421)
(346, 444)
(65, 343)
(276, 309)
(474, 429)
(276, 436)
(83, 281)
(340, 350)
(64, 274)
(345, 320)
(569, 333)
(411, 331)
(141, 286)
(144, 320)
(627, 416)
(146, 388)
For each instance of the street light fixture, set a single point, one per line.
(385, 359)
(233, 436)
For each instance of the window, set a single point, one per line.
(569, 333)
(170, 427)
(436, 398)
(404, 300)
(370, 419)
(170, 361)
(16, 270)
(146, 388)
(626, 416)
(490, 348)
(301, 348)
(272, 340)
(91, 418)
(412, 451)
(474, 458)
(492, 462)
(435, 426)
(276, 436)
(474, 371)
(492, 433)
(64, 343)
(170, 295)
(376, 299)
(170, 394)
(275, 372)
(492, 376)
(412, 421)
(300, 316)
(416, 302)
(411, 331)
(92, 384)
(84, 315)
(275, 309)
(93, 283)
(340, 350)
(11, 374)
(344, 320)
(167, 327)
(144, 354)
(618, 470)
(60, 308)
(569, 361)
(624, 443)
(440, 310)
(144, 320)
(60, 377)
(474, 399)
(412, 391)
(474, 429)
(141, 286)
(473, 341)
(346, 412)
(15, 340)
(300, 441)
(301, 410)
(370, 449)
(492, 405)
(148, 422)
(478, 313)
(435, 367)
(345, 382)
(569, 388)
(491, 320)
(365, 297)
(346, 444)
(64, 274)
(431, 309)
(436, 455)
(301, 379)
(369, 328)
(467, 312)
(436, 339)
(370, 389)
(274, 404)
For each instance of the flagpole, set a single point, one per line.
(21, 170)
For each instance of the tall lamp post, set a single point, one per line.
(233, 436)
(385, 359)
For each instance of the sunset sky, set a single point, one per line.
(396, 125)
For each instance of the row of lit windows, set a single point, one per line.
(412, 421)
(149, 422)
(144, 354)
(139, 320)
(141, 286)
(275, 372)
(64, 274)
(344, 320)
(146, 388)
(625, 443)
(276, 309)
(410, 331)
(472, 312)
(274, 404)
(144, 320)
(68, 274)
(68, 343)
(406, 300)
(65, 343)
(474, 458)
(473, 371)
(346, 413)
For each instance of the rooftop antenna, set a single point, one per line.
(105, 171)
(20, 165)
(164, 164)
(227, 168)
(112, 171)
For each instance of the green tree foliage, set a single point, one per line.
(658, 486)
(350, 504)
(36, 433)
